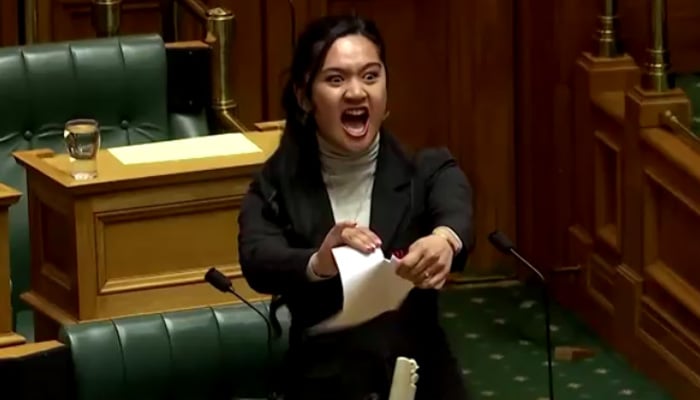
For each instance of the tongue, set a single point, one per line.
(354, 125)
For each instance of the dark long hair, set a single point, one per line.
(309, 56)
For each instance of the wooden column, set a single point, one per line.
(600, 84)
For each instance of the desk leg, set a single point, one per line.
(7, 336)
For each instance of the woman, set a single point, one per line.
(339, 179)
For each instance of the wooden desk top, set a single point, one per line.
(28, 349)
(8, 195)
(112, 174)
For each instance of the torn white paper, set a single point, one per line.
(370, 288)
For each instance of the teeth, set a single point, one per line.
(356, 111)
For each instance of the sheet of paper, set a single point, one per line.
(370, 288)
(226, 144)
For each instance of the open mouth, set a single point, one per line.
(355, 121)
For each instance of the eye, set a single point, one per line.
(334, 79)
(371, 76)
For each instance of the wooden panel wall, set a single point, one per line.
(452, 86)
(552, 34)
(9, 27)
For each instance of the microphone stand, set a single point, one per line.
(272, 394)
(501, 242)
(223, 284)
(547, 317)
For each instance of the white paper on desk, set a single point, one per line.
(370, 287)
(225, 144)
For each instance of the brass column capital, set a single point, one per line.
(608, 45)
(221, 24)
(656, 75)
(106, 17)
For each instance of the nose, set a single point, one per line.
(355, 90)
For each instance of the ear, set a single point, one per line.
(302, 100)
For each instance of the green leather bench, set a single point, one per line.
(690, 83)
(206, 353)
(120, 81)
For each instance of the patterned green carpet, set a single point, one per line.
(498, 334)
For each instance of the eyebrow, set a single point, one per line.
(365, 67)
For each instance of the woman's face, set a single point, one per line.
(349, 93)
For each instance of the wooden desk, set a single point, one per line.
(138, 238)
(28, 349)
(8, 197)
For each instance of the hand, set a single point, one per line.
(344, 233)
(427, 263)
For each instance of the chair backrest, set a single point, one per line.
(690, 83)
(120, 81)
(207, 353)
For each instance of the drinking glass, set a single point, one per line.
(82, 137)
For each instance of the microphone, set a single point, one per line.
(500, 241)
(218, 280)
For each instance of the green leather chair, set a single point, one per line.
(690, 83)
(207, 353)
(120, 81)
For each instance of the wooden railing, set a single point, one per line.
(637, 209)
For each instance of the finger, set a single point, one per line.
(371, 235)
(438, 272)
(345, 224)
(403, 271)
(425, 269)
(440, 284)
(368, 237)
(437, 280)
(359, 235)
(357, 240)
(433, 283)
(410, 260)
(407, 264)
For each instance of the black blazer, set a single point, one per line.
(286, 214)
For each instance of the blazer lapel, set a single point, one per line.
(314, 213)
(391, 194)
(308, 202)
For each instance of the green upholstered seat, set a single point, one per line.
(690, 83)
(120, 81)
(206, 353)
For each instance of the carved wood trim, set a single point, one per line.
(600, 284)
(675, 286)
